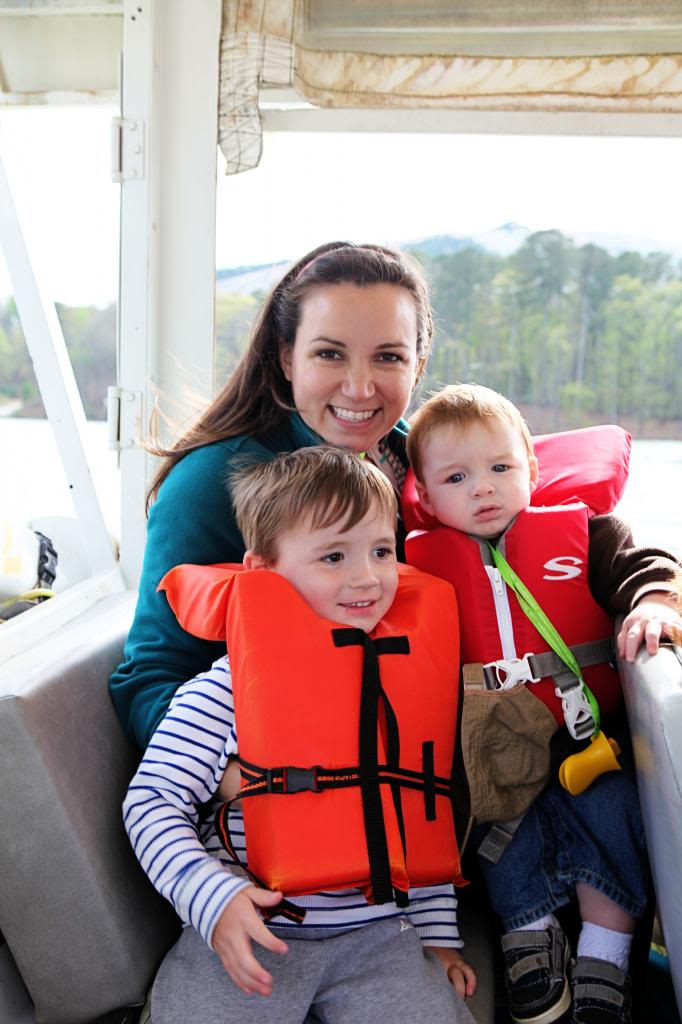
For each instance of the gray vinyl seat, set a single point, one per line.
(653, 698)
(84, 925)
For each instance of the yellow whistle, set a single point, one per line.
(579, 770)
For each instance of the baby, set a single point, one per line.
(475, 467)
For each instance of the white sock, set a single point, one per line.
(604, 944)
(539, 925)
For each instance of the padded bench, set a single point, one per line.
(84, 925)
(653, 697)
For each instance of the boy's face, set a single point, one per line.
(477, 479)
(349, 577)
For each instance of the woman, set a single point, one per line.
(334, 357)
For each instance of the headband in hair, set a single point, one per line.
(328, 252)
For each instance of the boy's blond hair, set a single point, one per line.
(460, 405)
(317, 486)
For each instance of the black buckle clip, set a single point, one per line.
(294, 780)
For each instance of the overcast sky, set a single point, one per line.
(312, 188)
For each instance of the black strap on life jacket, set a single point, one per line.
(372, 692)
(259, 781)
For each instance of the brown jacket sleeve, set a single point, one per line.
(619, 573)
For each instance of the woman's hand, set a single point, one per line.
(652, 617)
(461, 975)
(230, 784)
(238, 924)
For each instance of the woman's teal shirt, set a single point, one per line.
(191, 521)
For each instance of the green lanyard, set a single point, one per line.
(532, 609)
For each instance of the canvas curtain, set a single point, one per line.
(264, 43)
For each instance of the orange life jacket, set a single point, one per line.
(348, 740)
(547, 547)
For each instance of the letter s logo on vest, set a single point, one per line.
(561, 569)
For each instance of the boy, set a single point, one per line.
(473, 459)
(325, 521)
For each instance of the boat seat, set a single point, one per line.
(653, 698)
(84, 925)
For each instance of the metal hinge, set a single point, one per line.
(124, 417)
(127, 149)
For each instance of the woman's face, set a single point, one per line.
(353, 364)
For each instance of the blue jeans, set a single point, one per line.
(596, 837)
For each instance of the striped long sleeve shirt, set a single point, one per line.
(181, 771)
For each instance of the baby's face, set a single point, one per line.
(349, 577)
(477, 479)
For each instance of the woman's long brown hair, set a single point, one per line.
(257, 397)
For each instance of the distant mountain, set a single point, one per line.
(238, 271)
(439, 245)
(246, 280)
(503, 240)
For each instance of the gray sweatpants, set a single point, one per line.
(373, 975)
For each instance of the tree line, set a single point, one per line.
(570, 333)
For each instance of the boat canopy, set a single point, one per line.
(499, 55)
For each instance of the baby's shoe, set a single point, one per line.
(535, 974)
(601, 992)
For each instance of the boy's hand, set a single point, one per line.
(461, 975)
(653, 616)
(237, 925)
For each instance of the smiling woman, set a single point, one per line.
(334, 357)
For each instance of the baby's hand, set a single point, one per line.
(653, 616)
(461, 975)
(237, 925)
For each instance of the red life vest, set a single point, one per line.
(352, 767)
(548, 549)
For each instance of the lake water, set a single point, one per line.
(32, 482)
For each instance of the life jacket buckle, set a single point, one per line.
(509, 672)
(294, 780)
(577, 711)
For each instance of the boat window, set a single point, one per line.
(58, 165)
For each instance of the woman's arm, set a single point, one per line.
(191, 522)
